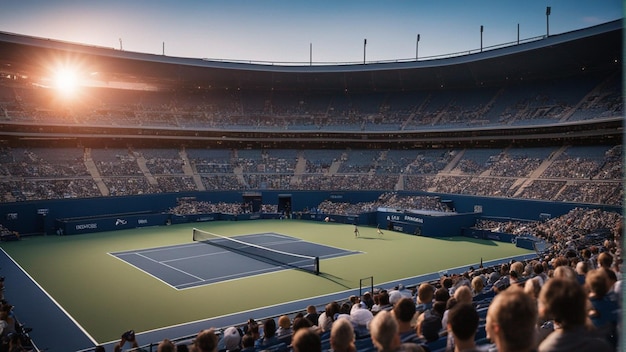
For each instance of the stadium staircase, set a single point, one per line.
(453, 163)
(540, 170)
(141, 162)
(188, 170)
(93, 171)
(299, 170)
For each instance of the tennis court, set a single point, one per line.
(218, 259)
(105, 295)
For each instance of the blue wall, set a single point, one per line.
(28, 217)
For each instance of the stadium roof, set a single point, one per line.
(591, 49)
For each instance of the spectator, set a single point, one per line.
(306, 340)
(462, 325)
(385, 335)
(247, 343)
(404, 311)
(166, 346)
(269, 334)
(425, 294)
(232, 339)
(342, 336)
(284, 326)
(311, 314)
(511, 321)
(604, 311)
(564, 301)
(206, 341)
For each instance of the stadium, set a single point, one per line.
(382, 176)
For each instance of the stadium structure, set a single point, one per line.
(97, 139)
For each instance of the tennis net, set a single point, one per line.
(264, 254)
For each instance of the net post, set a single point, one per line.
(317, 265)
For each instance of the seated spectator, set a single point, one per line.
(462, 325)
(511, 321)
(604, 311)
(247, 343)
(166, 346)
(311, 314)
(206, 341)
(385, 337)
(564, 301)
(383, 303)
(306, 340)
(404, 311)
(269, 334)
(361, 318)
(425, 294)
(342, 336)
(232, 339)
(428, 324)
(284, 326)
(462, 295)
(299, 323)
(326, 319)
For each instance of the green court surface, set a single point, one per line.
(105, 295)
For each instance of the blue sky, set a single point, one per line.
(283, 30)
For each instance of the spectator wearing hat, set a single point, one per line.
(232, 339)
(361, 318)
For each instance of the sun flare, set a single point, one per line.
(66, 81)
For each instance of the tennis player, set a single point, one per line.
(380, 233)
(356, 231)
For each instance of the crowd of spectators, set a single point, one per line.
(540, 102)
(33, 174)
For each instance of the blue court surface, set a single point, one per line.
(200, 263)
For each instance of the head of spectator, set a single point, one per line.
(463, 324)
(284, 326)
(269, 333)
(442, 295)
(361, 318)
(252, 328)
(299, 323)
(511, 321)
(565, 272)
(306, 340)
(463, 294)
(206, 341)
(311, 314)
(564, 301)
(597, 283)
(326, 319)
(404, 311)
(532, 287)
(425, 294)
(605, 260)
(166, 346)
(384, 329)
(368, 300)
(232, 339)
(477, 285)
(247, 342)
(518, 267)
(342, 336)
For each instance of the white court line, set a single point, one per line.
(169, 266)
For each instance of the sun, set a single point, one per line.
(66, 81)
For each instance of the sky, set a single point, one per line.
(280, 31)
